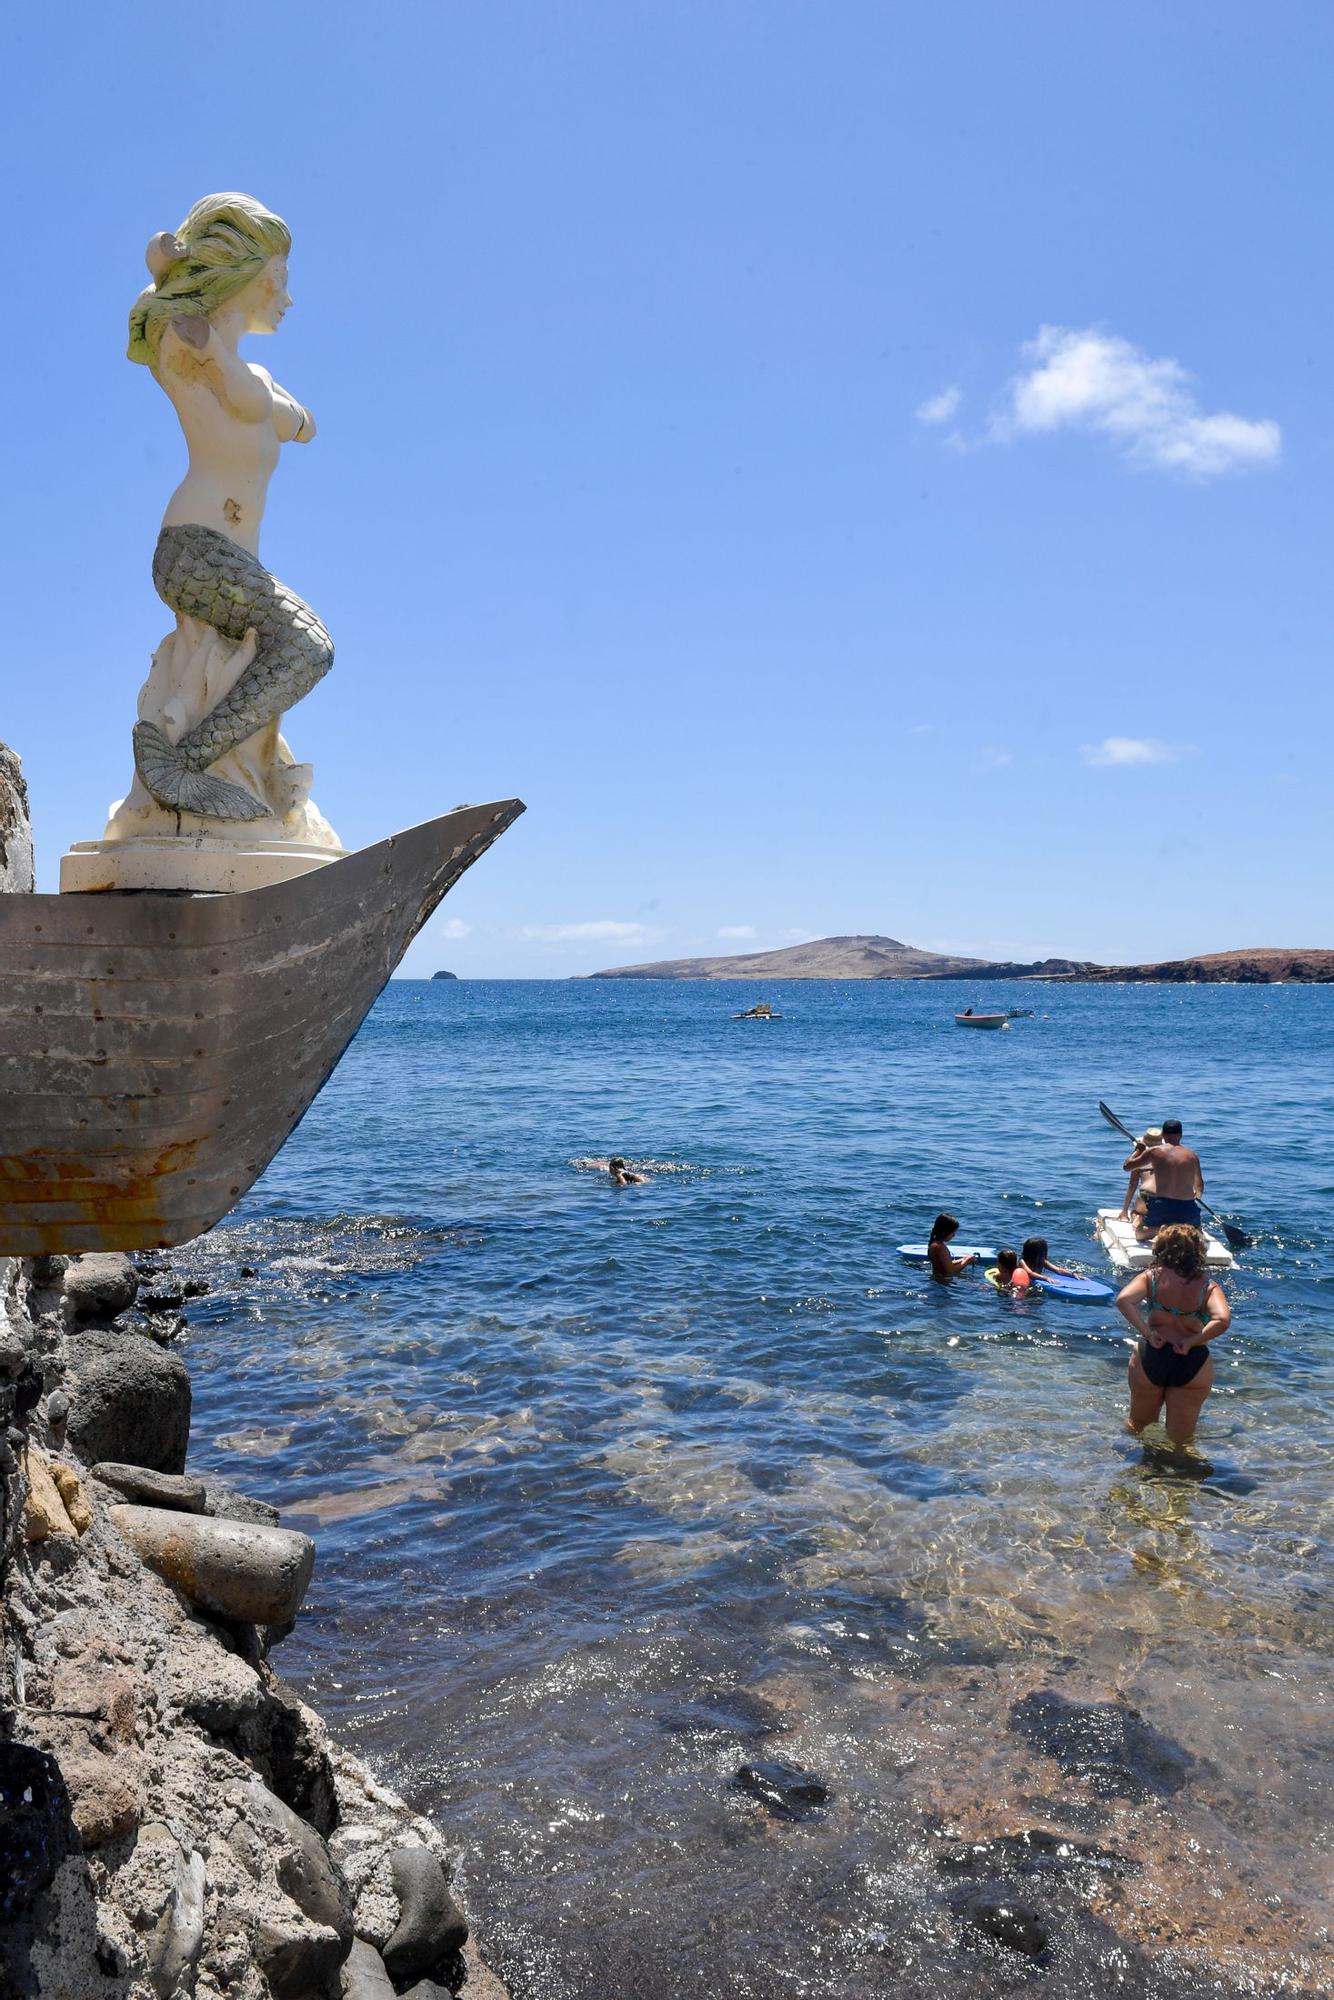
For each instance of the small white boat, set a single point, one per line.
(762, 1011)
(971, 1020)
(1117, 1237)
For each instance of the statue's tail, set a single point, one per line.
(173, 783)
(201, 574)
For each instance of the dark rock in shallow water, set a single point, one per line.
(723, 1712)
(131, 1400)
(1010, 1922)
(431, 1927)
(1107, 1745)
(1036, 1852)
(783, 1789)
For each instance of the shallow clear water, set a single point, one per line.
(616, 1491)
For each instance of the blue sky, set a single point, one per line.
(694, 463)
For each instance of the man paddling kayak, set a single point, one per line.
(1178, 1182)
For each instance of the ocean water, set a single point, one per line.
(618, 1492)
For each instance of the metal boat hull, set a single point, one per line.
(156, 1050)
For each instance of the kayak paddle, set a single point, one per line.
(1237, 1238)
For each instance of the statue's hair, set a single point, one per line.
(224, 242)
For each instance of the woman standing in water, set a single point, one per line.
(1176, 1308)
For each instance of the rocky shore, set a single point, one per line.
(174, 1820)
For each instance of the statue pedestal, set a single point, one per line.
(195, 864)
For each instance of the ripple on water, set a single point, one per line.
(582, 1462)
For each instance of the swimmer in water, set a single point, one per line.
(1005, 1274)
(623, 1176)
(943, 1265)
(1035, 1261)
(1176, 1308)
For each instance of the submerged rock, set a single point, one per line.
(1008, 1921)
(1106, 1744)
(723, 1712)
(236, 1569)
(1036, 1852)
(783, 1789)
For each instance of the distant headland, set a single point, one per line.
(876, 957)
(444, 975)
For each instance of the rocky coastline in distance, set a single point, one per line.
(875, 957)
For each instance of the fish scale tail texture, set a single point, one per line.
(201, 574)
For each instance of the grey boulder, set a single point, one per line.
(131, 1400)
(100, 1285)
(431, 1927)
(364, 1976)
(235, 1569)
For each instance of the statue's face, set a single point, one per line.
(265, 299)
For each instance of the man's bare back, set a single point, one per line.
(1178, 1181)
(1176, 1171)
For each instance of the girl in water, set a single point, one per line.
(943, 1265)
(1034, 1261)
(1176, 1308)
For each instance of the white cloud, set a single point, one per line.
(939, 409)
(993, 759)
(1085, 379)
(453, 927)
(738, 931)
(601, 928)
(1129, 750)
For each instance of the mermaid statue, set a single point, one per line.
(245, 647)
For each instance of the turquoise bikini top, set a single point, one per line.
(1179, 1312)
